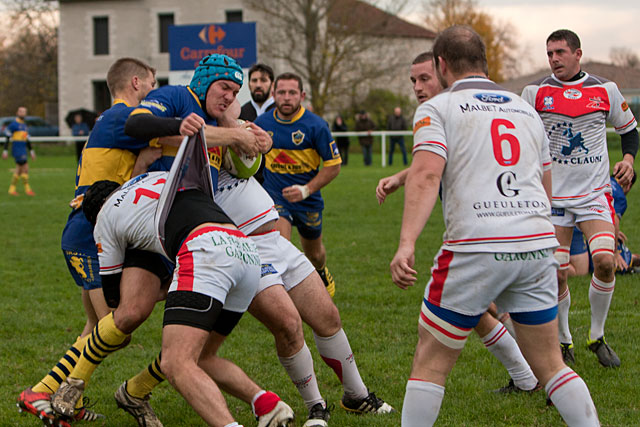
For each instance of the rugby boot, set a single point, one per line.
(513, 388)
(370, 404)
(318, 416)
(567, 353)
(328, 281)
(38, 404)
(606, 356)
(85, 414)
(139, 408)
(12, 191)
(280, 416)
(64, 400)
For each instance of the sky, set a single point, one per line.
(600, 24)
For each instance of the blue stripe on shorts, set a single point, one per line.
(456, 319)
(535, 317)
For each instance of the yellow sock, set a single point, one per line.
(14, 181)
(51, 382)
(103, 340)
(143, 383)
(25, 181)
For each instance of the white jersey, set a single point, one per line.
(495, 149)
(123, 221)
(245, 201)
(575, 115)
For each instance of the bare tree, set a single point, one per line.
(499, 37)
(331, 44)
(29, 56)
(624, 57)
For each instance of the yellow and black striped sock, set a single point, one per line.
(51, 382)
(143, 383)
(103, 340)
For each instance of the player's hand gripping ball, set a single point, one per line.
(240, 165)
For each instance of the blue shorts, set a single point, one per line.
(84, 268)
(578, 245)
(19, 154)
(308, 223)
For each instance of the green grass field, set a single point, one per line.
(41, 315)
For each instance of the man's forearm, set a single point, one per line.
(147, 126)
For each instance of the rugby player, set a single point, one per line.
(575, 107)
(214, 87)
(499, 240)
(17, 133)
(288, 282)
(292, 174)
(492, 332)
(109, 154)
(216, 276)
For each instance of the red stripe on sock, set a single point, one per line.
(562, 381)
(602, 288)
(496, 337)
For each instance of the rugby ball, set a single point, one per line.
(240, 165)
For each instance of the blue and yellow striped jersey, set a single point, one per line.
(109, 154)
(17, 131)
(178, 101)
(300, 145)
(18, 134)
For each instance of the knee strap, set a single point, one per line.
(111, 289)
(602, 243)
(562, 255)
(448, 334)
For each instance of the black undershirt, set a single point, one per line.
(577, 76)
(148, 126)
(190, 209)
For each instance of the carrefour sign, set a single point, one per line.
(188, 44)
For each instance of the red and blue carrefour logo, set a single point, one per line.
(212, 34)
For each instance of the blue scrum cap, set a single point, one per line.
(211, 68)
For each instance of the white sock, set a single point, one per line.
(502, 345)
(600, 294)
(564, 303)
(234, 424)
(300, 370)
(422, 402)
(571, 397)
(336, 352)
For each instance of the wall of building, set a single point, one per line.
(133, 31)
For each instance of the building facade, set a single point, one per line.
(94, 33)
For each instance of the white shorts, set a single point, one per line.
(282, 263)
(467, 282)
(599, 208)
(221, 263)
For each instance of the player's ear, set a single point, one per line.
(135, 82)
(579, 53)
(302, 95)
